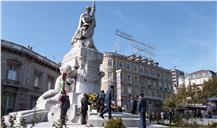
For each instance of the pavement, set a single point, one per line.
(77, 125)
(202, 121)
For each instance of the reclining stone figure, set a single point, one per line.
(52, 97)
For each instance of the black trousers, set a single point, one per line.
(65, 104)
(83, 116)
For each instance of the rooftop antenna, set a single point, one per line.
(137, 47)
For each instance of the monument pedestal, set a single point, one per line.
(88, 79)
(87, 61)
(128, 119)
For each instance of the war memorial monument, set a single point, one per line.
(81, 65)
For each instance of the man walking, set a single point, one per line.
(142, 110)
(109, 97)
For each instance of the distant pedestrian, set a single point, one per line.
(162, 117)
(128, 103)
(170, 117)
(84, 108)
(101, 101)
(108, 101)
(142, 111)
(134, 105)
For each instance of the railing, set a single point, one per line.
(9, 82)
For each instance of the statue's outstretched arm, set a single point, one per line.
(93, 9)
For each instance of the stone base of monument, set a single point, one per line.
(28, 115)
(129, 120)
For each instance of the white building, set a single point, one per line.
(199, 77)
(178, 77)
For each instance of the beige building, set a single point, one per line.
(135, 75)
(25, 75)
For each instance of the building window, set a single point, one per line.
(159, 75)
(154, 83)
(160, 85)
(110, 63)
(199, 75)
(110, 75)
(12, 73)
(135, 80)
(165, 85)
(141, 70)
(164, 76)
(149, 82)
(122, 77)
(153, 73)
(129, 79)
(204, 74)
(36, 78)
(50, 83)
(168, 77)
(129, 90)
(171, 87)
(148, 71)
(194, 76)
(128, 66)
(135, 68)
(121, 64)
(155, 93)
(137, 91)
(8, 103)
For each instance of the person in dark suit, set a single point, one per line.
(134, 105)
(84, 108)
(142, 110)
(108, 99)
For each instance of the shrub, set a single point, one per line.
(23, 123)
(115, 123)
(12, 120)
(3, 125)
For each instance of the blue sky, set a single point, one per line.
(183, 33)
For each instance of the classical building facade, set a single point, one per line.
(135, 75)
(177, 77)
(25, 75)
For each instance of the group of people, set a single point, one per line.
(104, 102)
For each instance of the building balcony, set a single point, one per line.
(14, 83)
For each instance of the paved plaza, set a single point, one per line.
(77, 125)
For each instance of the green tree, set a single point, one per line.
(181, 95)
(209, 89)
(192, 94)
(170, 102)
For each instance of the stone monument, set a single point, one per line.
(82, 66)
